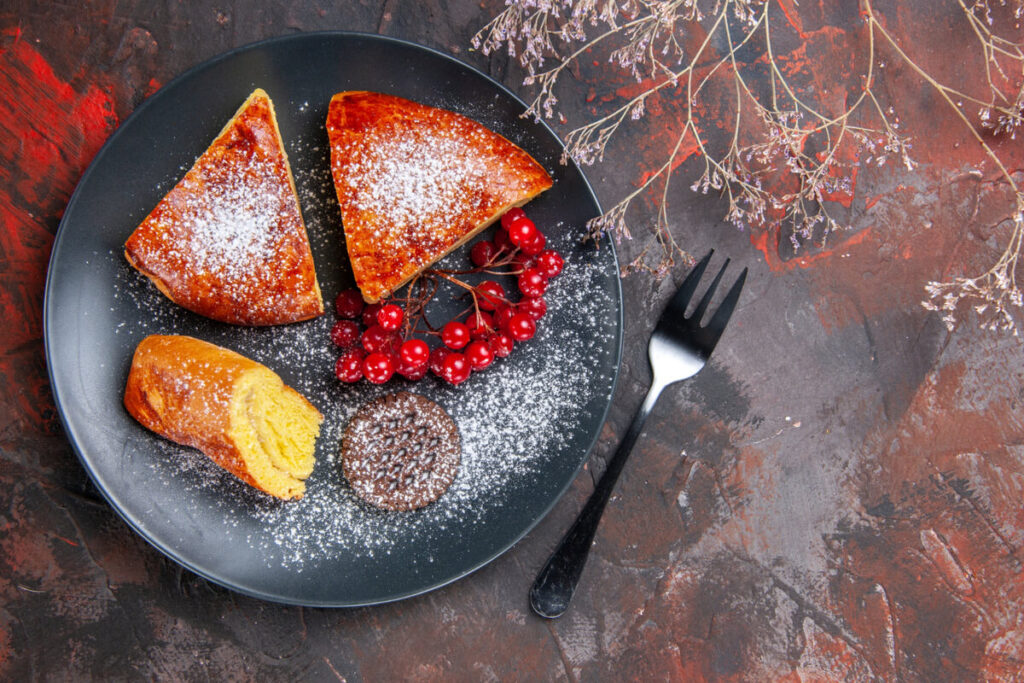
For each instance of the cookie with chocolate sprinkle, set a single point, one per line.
(401, 452)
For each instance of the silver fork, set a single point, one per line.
(678, 349)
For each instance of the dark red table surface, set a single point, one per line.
(838, 496)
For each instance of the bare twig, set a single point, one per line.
(788, 156)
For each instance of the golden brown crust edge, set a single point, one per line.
(319, 297)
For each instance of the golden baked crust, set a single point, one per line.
(415, 182)
(228, 242)
(233, 409)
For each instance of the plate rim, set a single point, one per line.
(70, 433)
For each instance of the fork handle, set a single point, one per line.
(555, 584)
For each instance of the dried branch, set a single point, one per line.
(787, 156)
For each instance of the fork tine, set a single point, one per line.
(718, 321)
(698, 313)
(689, 286)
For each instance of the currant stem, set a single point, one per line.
(453, 280)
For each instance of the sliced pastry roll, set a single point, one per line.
(233, 409)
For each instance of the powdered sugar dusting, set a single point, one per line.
(235, 226)
(412, 182)
(520, 418)
(231, 230)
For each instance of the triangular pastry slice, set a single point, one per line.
(228, 242)
(415, 182)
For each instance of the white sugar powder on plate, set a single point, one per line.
(513, 418)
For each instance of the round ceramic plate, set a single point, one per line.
(527, 423)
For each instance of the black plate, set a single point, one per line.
(527, 423)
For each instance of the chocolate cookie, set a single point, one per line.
(401, 451)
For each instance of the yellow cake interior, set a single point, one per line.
(275, 430)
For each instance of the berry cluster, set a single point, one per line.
(390, 339)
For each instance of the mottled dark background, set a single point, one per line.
(838, 496)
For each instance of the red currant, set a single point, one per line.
(549, 262)
(510, 215)
(437, 357)
(345, 333)
(483, 253)
(503, 315)
(390, 317)
(521, 231)
(370, 314)
(412, 372)
(490, 294)
(414, 352)
(456, 368)
(480, 324)
(349, 367)
(378, 340)
(490, 332)
(521, 327)
(479, 355)
(533, 307)
(523, 262)
(535, 245)
(501, 345)
(532, 283)
(349, 304)
(455, 335)
(378, 368)
(501, 241)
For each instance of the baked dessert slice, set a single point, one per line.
(415, 182)
(233, 409)
(228, 242)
